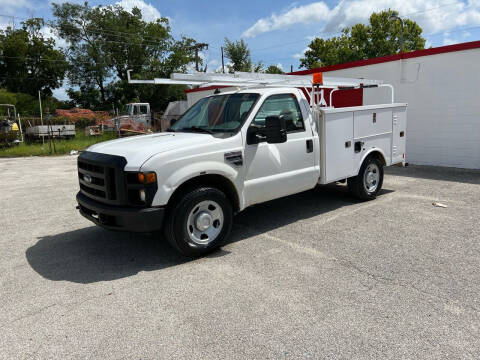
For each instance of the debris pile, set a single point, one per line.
(76, 114)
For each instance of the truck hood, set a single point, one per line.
(138, 149)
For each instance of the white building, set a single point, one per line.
(442, 88)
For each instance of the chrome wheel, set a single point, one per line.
(205, 222)
(371, 177)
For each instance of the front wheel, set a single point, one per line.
(199, 221)
(368, 183)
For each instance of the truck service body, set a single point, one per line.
(191, 180)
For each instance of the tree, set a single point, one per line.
(239, 55)
(27, 105)
(86, 97)
(379, 38)
(29, 62)
(274, 69)
(105, 42)
(133, 43)
(89, 63)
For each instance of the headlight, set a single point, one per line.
(141, 187)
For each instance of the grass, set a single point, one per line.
(80, 142)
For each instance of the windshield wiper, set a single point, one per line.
(198, 129)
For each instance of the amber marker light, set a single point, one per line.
(318, 78)
(147, 178)
(150, 178)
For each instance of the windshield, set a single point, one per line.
(127, 110)
(220, 113)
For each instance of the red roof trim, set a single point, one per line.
(205, 88)
(388, 58)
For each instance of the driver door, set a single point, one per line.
(276, 170)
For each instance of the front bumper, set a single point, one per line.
(121, 218)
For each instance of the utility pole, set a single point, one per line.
(198, 47)
(40, 103)
(223, 62)
(395, 17)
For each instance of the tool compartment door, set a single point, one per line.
(336, 158)
(372, 123)
(399, 119)
(372, 131)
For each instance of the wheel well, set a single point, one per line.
(212, 180)
(378, 155)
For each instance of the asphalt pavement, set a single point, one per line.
(314, 275)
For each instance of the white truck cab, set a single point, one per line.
(233, 150)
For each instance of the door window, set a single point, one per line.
(283, 105)
(141, 110)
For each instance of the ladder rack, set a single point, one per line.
(248, 80)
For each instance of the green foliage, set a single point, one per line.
(239, 55)
(86, 54)
(381, 37)
(120, 93)
(27, 105)
(80, 142)
(85, 98)
(28, 61)
(105, 42)
(274, 69)
(82, 123)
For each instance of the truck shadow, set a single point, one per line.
(93, 254)
(268, 216)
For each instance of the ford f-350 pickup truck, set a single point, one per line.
(230, 151)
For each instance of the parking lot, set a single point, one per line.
(314, 275)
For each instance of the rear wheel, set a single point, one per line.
(367, 184)
(199, 221)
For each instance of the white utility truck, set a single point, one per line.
(235, 149)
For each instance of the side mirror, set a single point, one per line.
(275, 130)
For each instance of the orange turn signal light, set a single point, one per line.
(147, 178)
(318, 78)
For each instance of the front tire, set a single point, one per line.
(368, 183)
(199, 221)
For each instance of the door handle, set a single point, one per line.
(309, 145)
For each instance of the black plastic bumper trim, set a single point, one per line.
(121, 218)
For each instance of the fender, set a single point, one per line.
(370, 151)
(182, 175)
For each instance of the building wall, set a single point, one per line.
(443, 96)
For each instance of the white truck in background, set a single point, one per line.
(232, 150)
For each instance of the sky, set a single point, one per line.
(277, 32)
